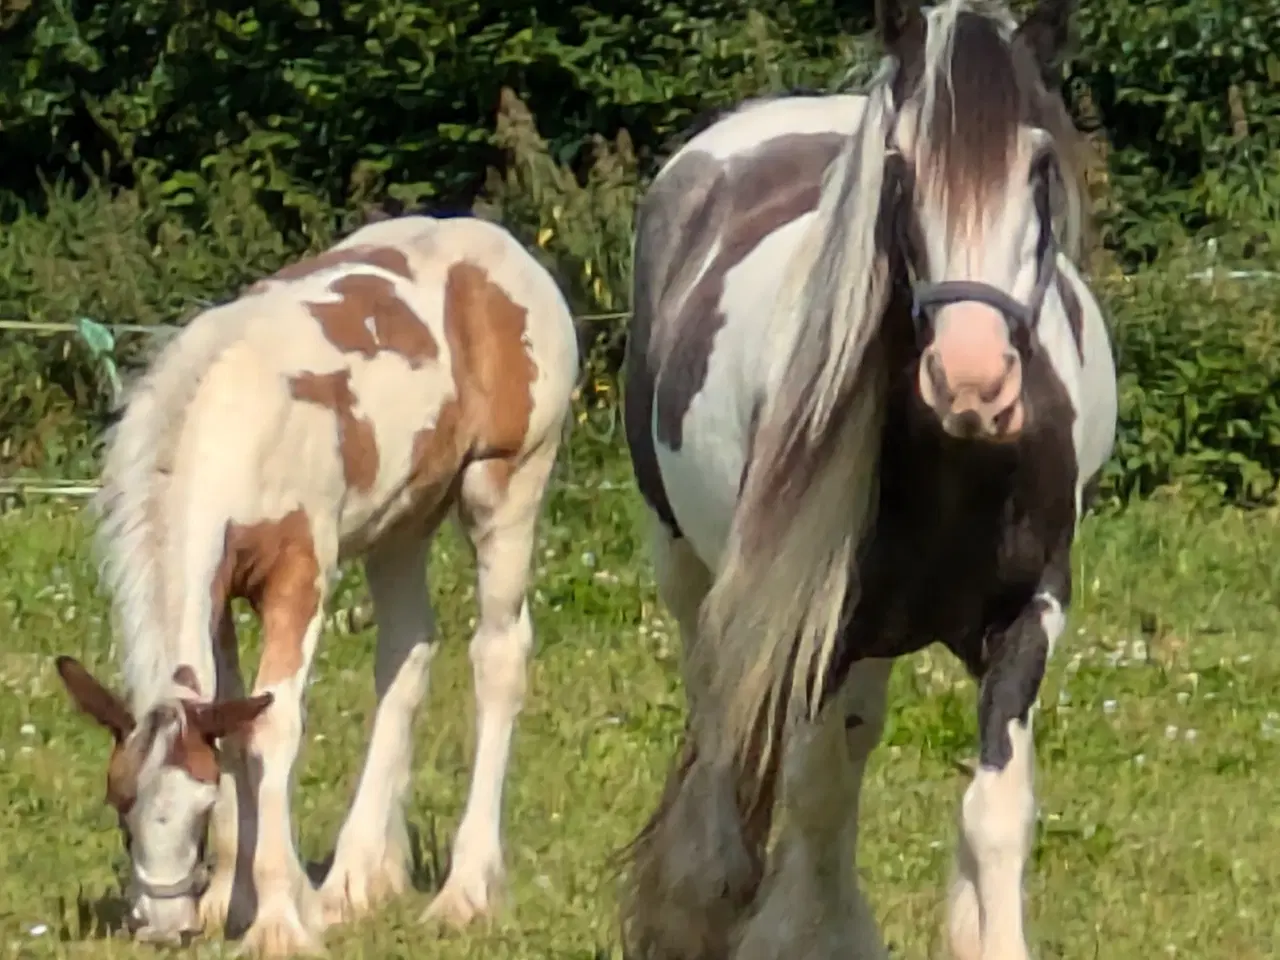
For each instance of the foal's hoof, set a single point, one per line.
(280, 932)
(460, 902)
(352, 891)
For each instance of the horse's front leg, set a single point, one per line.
(985, 915)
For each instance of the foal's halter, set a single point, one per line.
(192, 885)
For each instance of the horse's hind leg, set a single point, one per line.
(696, 863)
(499, 505)
(810, 905)
(371, 859)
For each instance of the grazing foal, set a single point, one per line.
(866, 391)
(338, 409)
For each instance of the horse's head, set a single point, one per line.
(162, 781)
(981, 162)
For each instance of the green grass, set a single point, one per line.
(1160, 817)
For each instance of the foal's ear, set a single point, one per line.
(93, 698)
(1045, 33)
(898, 22)
(217, 720)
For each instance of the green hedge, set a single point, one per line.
(352, 99)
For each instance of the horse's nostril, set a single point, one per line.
(937, 375)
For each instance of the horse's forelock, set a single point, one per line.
(974, 87)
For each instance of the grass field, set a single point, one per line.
(1159, 745)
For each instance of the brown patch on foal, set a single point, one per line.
(492, 368)
(273, 565)
(382, 258)
(371, 317)
(357, 444)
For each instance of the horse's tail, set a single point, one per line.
(136, 474)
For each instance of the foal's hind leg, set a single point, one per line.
(696, 864)
(371, 859)
(499, 508)
(810, 905)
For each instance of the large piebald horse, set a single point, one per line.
(339, 408)
(866, 390)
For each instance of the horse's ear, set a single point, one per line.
(217, 720)
(898, 22)
(93, 698)
(1046, 33)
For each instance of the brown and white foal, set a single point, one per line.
(338, 409)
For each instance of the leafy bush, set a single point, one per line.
(359, 98)
(1189, 96)
(117, 257)
(1199, 385)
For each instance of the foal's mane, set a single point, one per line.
(789, 575)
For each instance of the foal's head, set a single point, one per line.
(981, 154)
(162, 780)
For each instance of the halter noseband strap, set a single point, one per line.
(928, 296)
(192, 885)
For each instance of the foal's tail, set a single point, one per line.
(136, 473)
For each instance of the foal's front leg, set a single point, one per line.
(985, 911)
(292, 617)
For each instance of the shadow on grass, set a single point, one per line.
(95, 918)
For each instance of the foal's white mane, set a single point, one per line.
(133, 506)
(788, 575)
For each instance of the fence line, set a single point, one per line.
(50, 328)
(41, 486)
(17, 486)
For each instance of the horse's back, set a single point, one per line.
(714, 233)
(421, 344)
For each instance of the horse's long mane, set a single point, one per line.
(788, 574)
(774, 609)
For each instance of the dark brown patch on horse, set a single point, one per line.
(273, 565)
(372, 317)
(493, 369)
(664, 245)
(967, 535)
(357, 444)
(1075, 313)
(758, 193)
(365, 255)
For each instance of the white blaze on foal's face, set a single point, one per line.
(162, 780)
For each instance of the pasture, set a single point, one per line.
(1158, 738)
